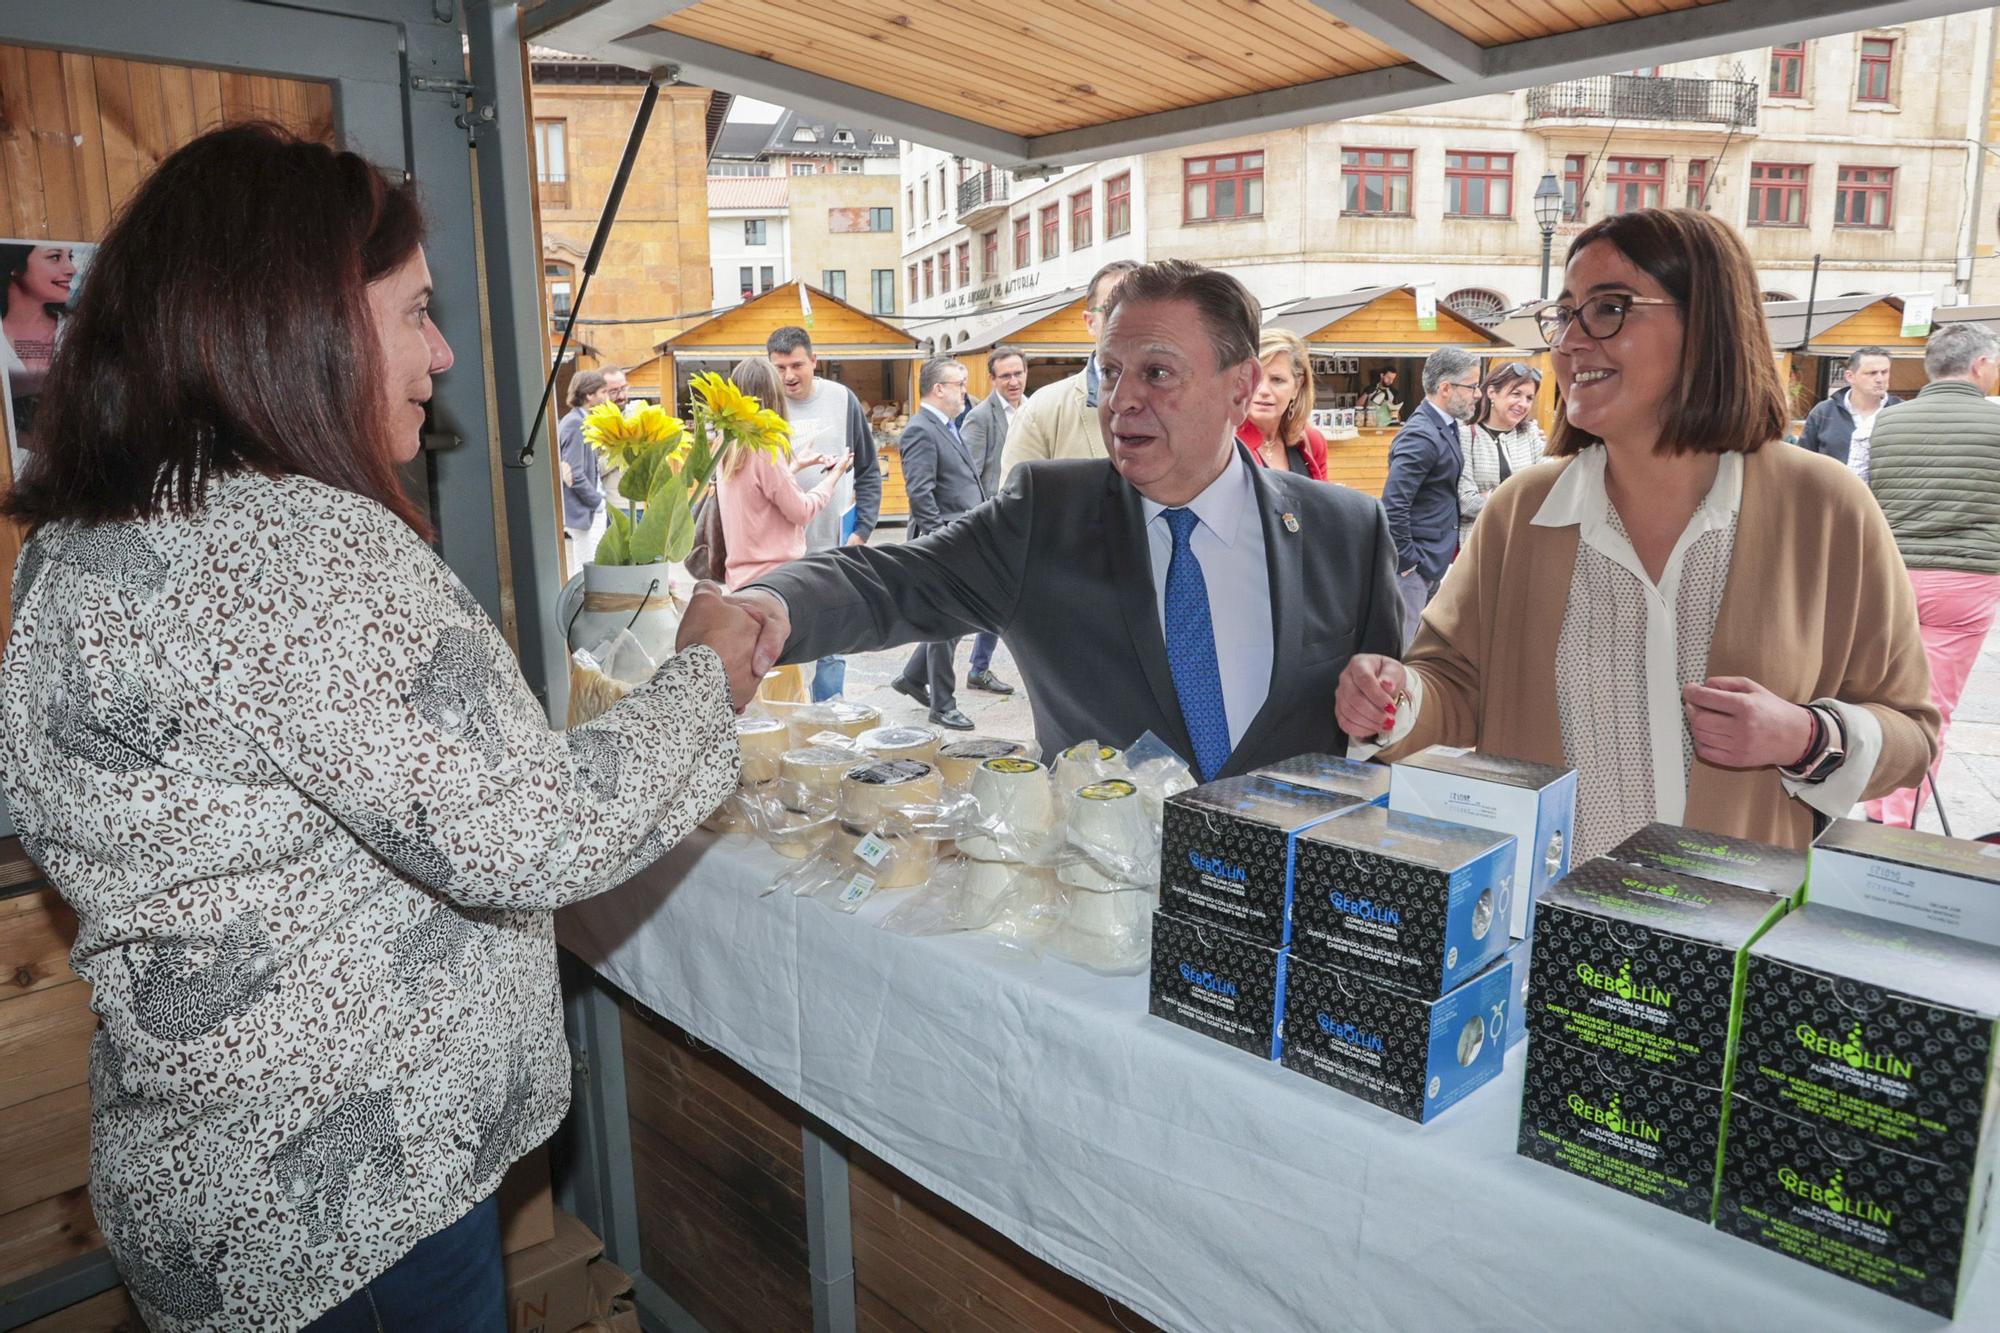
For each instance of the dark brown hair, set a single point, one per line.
(1728, 396)
(1231, 314)
(225, 328)
(1500, 379)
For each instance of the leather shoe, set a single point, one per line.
(921, 693)
(951, 718)
(986, 680)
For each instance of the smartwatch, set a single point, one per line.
(1831, 751)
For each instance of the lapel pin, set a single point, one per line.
(1291, 522)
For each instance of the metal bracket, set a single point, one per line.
(423, 83)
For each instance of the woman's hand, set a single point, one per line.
(800, 462)
(1365, 701)
(1737, 723)
(842, 464)
(741, 637)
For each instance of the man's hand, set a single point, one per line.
(857, 540)
(1364, 703)
(739, 631)
(569, 478)
(1737, 723)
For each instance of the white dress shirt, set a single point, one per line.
(1229, 543)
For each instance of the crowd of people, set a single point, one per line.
(286, 770)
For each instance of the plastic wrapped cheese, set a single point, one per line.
(957, 759)
(811, 775)
(763, 741)
(1015, 803)
(918, 743)
(870, 791)
(838, 715)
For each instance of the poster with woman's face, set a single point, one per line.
(39, 284)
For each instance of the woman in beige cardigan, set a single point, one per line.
(1713, 632)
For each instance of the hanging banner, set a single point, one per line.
(1917, 312)
(1427, 307)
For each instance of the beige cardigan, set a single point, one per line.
(1817, 605)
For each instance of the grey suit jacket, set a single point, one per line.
(1058, 566)
(985, 431)
(938, 472)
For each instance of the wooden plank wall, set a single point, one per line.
(78, 133)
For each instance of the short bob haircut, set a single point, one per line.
(1728, 398)
(226, 329)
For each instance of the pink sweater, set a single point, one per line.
(764, 517)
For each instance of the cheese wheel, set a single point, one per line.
(798, 834)
(908, 864)
(839, 715)
(763, 741)
(885, 787)
(1014, 798)
(1110, 816)
(811, 775)
(918, 743)
(958, 759)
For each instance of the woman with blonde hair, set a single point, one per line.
(1279, 430)
(764, 513)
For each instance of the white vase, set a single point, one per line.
(642, 597)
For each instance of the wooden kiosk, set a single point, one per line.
(1048, 331)
(1813, 340)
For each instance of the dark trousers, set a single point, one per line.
(451, 1282)
(982, 651)
(931, 665)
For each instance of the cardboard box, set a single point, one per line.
(622, 1317)
(548, 1285)
(1331, 772)
(608, 1282)
(1226, 851)
(1534, 803)
(1218, 983)
(1901, 1224)
(1909, 878)
(1622, 1125)
(1710, 856)
(527, 1203)
(1416, 902)
(1645, 966)
(1415, 1055)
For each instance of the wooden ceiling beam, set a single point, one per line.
(1400, 25)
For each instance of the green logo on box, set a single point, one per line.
(1833, 1197)
(1621, 984)
(1852, 1051)
(1613, 1118)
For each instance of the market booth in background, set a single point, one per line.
(1047, 330)
(1353, 336)
(877, 360)
(1813, 340)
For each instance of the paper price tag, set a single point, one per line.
(857, 891)
(872, 849)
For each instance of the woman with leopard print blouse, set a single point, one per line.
(311, 819)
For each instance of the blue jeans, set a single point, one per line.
(451, 1282)
(982, 650)
(829, 678)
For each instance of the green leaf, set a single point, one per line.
(615, 547)
(636, 483)
(667, 515)
(700, 461)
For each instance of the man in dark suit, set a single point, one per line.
(1175, 587)
(1421, 494)
(985, 429)
(942, 479)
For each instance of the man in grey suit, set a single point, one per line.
(1174, 587)
(985, 430)
(942, 479)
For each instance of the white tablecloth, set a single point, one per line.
(1205, 1187)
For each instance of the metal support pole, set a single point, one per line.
(1548, 248)
(829, 1228)
(598, 1186)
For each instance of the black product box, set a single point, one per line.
(1641, 1132)
(1407, 1053)
(1710, 856)
(1414, 901)
(1226, 851)
(1218, 983)
(1904, 1225)
(1331, 772)
(1645, 966)
(1885, 1031)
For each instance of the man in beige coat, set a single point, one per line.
(1060, 420)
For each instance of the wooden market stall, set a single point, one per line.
(876, 359)
(1048, 330)
(1813, 340)
(1353, 335)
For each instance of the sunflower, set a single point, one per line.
(738, 418)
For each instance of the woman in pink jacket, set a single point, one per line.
(764, 513)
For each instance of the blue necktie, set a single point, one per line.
(1190, 636)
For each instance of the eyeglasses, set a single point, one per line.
(1601, 316)
(1516, 370)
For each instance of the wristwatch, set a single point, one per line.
(1829, 748)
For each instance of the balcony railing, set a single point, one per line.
(981, 191)
(1731, 102)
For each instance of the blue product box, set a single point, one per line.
(1416, 902)
(1219, 984)
(1331, 772)
(1520, 954)
(1536, 803)
(1407, 1053)
(1226, 851)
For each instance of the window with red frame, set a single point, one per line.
(1479, 185)
(1573, 166)
(989, 253)
(1788, 71)
(1876, 80)
(1079, 220)
(1634, 182)
(1778, 194)
(1375, 182)
(965, 263)
(1051, 231)
(1222, 188)
(1022, 258)
(1866, 197)
(913, 282)
(929, 278)
(1697, 183)
(1118, 205)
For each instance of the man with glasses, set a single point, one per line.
(1421, 495)
(1060, 419)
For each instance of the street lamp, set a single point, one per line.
(1548, 212)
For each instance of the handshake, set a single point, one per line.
(746, 629)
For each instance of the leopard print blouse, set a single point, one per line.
(313, 824)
